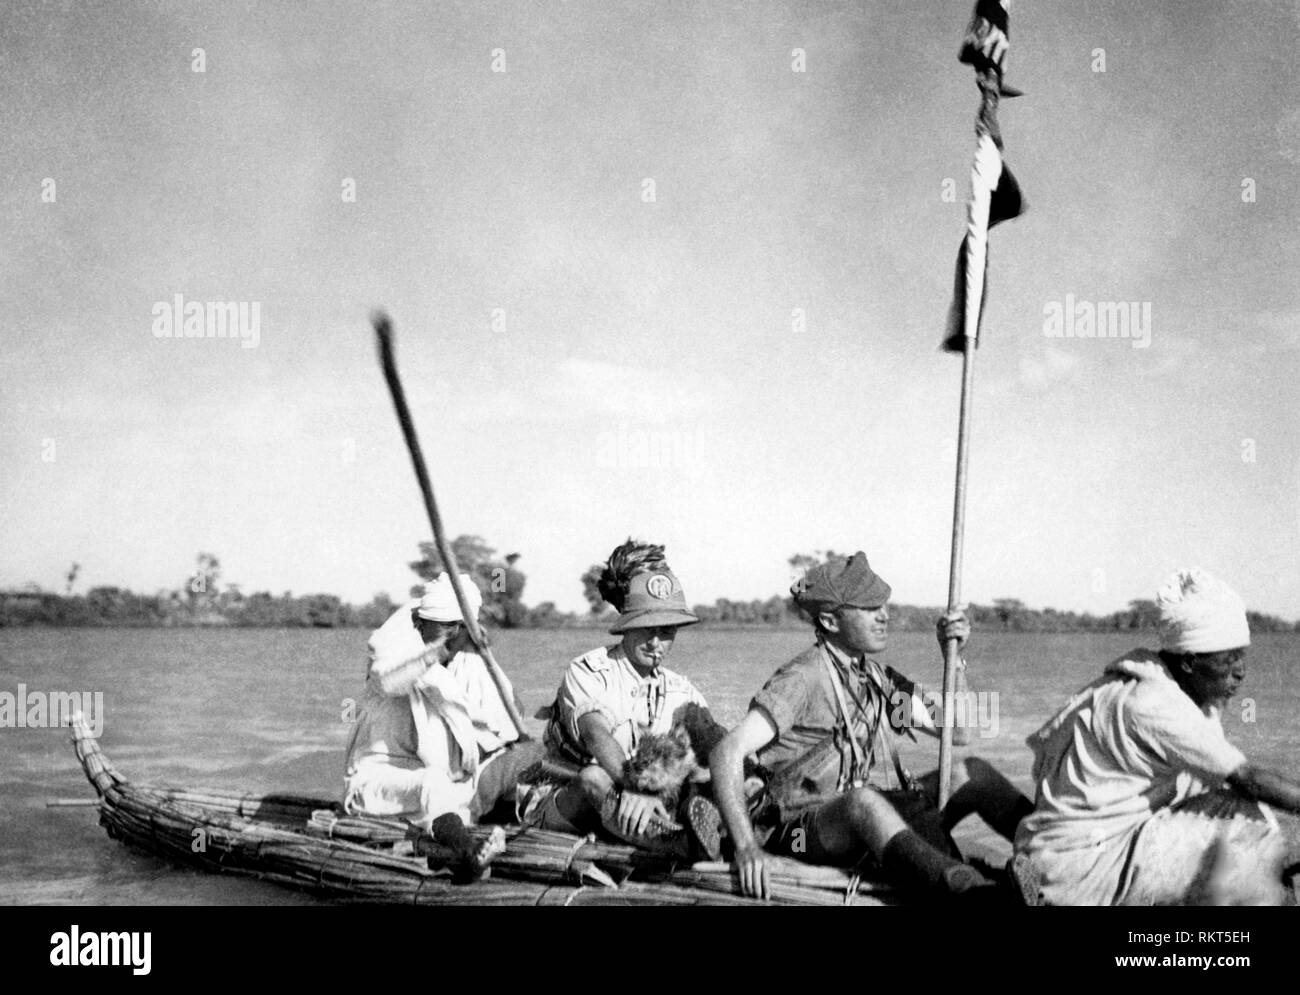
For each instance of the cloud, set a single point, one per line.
(596, 387)
(582, 389)
(1288, 131)
(1053, 366)
(1174, 353)
(1283, 328)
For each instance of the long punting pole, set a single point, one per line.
(384, 335)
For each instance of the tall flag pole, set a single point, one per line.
(995, 196)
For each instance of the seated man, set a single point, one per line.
(822, 728)
(1141, 800)
(610, 699)
(433, 742)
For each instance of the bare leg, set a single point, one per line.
(862, 818)
(979, 789)
(580, 800)
(497, 779)
(856, 820)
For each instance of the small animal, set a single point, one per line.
(661, 765)
(664, 762)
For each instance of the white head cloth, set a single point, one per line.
(439, 601)
(1199, 614)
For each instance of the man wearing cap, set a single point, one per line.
(433, 738)
(822, 727)
(613, 696)
(1141, 799)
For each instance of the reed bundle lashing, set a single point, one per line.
(306, 843)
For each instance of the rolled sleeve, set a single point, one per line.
(783, 698)
(583, 692)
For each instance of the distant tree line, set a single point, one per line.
(1004, 615)
(201, 600)
(1011, 615)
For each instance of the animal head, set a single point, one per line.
(661, 763)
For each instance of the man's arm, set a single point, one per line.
(635, 811)
(1260, 784)
(598, 738)
(727, 766)
(398, 680)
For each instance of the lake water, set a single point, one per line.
(262, 710)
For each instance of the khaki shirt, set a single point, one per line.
(604, 681)
(800, 701)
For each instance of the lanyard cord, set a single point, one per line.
(656, 694)
(859, 766)
(656, 698)
(875, 692)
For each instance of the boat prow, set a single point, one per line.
(310, 844)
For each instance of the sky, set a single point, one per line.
(737, 359)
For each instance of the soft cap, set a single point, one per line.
(1199, 614)
(840, 583)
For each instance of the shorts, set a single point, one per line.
(536, 806)
(798, 837)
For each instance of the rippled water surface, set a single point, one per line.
(261, 710)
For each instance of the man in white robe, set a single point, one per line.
(433, 740)
(1141, 800)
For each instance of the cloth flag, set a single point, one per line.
(995, 194)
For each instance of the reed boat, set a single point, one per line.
(310, 844)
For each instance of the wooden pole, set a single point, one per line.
(977, 226)
(950, 649)
(384, 335)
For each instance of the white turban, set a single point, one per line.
(439, 601)
(1199, 614)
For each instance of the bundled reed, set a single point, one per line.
(539, 855)
(306, 843)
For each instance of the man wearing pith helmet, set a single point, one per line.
(613, 696)
(823, 728)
